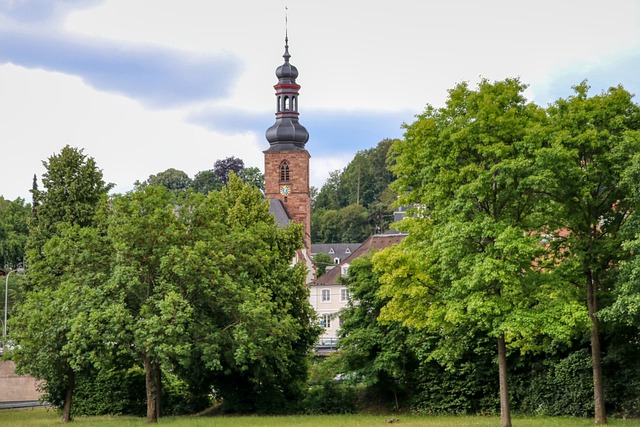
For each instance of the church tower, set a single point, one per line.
(286, 162)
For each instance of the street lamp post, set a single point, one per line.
(6, 293)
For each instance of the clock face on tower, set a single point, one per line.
(285, 190)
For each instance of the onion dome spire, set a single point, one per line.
(287, 133)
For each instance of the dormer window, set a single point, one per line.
(284, 171)
(348, 251)
(331, 251)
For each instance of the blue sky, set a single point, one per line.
(145, 85)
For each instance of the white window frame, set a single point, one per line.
(344, 294)
(326, 292)
(325, 320)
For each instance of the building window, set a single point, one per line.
(284, 171)
(344, 294)
(347, 251)
(331, 251)
(336, 260)
(326, 295)
(325, 321)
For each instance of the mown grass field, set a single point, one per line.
(44, 417)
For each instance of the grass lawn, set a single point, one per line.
(44, 417)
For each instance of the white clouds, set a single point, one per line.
(363, 66)
(320, 167)
(127, 142)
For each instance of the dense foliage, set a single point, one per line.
(207, 180)
(54, 307)
(520, 215)
(355, 202)
(196, 292)
(14, 216)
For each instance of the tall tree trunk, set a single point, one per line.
(68, 395)
(159, 388)
(505, 409)
(596, 359)
(151, 369)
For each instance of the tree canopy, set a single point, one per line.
(178, 282)
(356, 202)
(207, 180)
(14, 216)
(469, 170)
(73, 190)
(593, 162)
(175, 180)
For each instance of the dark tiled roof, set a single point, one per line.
(377, 241)
(340, 250)
(277, 209)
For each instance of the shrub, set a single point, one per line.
(559, 386)
(110, 392)
(329, 398)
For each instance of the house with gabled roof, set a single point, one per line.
(329, 295)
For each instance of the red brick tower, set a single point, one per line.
(286, 162)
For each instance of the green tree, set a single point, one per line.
(362, 182)
(330, 196)
(206, 181)
(354, 224)
(378, 353)
(593, 163)
(476, 256)
(322, 261)
(55, 336)
(175, 180)
(209, 284)
(347, 225)
(151, 310)
(13, 232)
(367, 176)
(73, 188)
(360, 196)
(253, 177)
(313, 195)
(256, 326)
(325, 226)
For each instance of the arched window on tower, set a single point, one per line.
(284, 171)
(279, 106)
(286, 103)
(294, 103)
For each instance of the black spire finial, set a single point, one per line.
(286, 55)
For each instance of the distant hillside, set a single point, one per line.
(356, 201)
